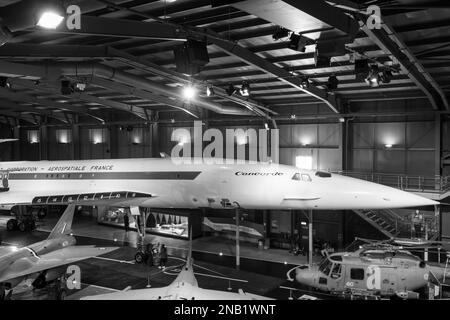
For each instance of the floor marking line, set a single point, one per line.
(100, 287)
(289, 288)
(225, 278)
(114, 260)
(178, 248)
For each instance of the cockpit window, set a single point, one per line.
(325, 267)
(306, 177)
(297, 177)
(336, 271)
(336, 258)
(322, 174)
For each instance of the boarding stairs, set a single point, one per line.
(398, 223)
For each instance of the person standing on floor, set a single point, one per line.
(126, 222)
(149, 254)
(163, 257)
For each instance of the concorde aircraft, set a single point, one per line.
(42, 261)
(166, 183)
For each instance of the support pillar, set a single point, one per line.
(155, 150)
(238, 249)
(43, 143)
(17, 144)
(438, 150)
(310, 237)
(76, 142)
(114, 142)
(346, 144)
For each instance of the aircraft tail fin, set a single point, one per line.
(64, 225)
(187, 273)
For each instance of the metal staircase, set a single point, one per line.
(395, 225)
(379, 221)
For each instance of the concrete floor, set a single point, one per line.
(262, 272)
(88, 227)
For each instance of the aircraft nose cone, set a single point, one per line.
(304, 276)
(407, 199)
(368, 195)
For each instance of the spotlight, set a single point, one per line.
(388, 146)
(341, 120)
(332, 83)
(231, 90)
(373, 79)
(305, 82)
(386, 77)
(80, 87)
(280, 34)
(293, 116)
(189, 92)
(66, 87)
(245, 89)
(210, 91)
(50, 20)
(298, 43)
(266, 125)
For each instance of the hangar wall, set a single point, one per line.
(413, 140)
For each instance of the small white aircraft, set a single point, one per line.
(8, 140)
(165, 183)
(41, 261)
(184, 287)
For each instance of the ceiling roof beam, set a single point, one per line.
(137, 111)
(12, 106)
(267, 67)
(98, 26)
(127, 90)
(389, 42)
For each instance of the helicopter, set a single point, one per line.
(375, 270)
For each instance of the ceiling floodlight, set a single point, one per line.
(189, 92)
(245, 89)
(210, 91)
(50, 20)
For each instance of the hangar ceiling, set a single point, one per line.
(123, 55)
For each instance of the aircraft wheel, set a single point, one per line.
(139, 257)
(32, 225)
(22, 227)
(11, 224)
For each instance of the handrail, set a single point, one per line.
(439, 184)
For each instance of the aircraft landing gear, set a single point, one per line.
(140, 218)
(24, 219)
